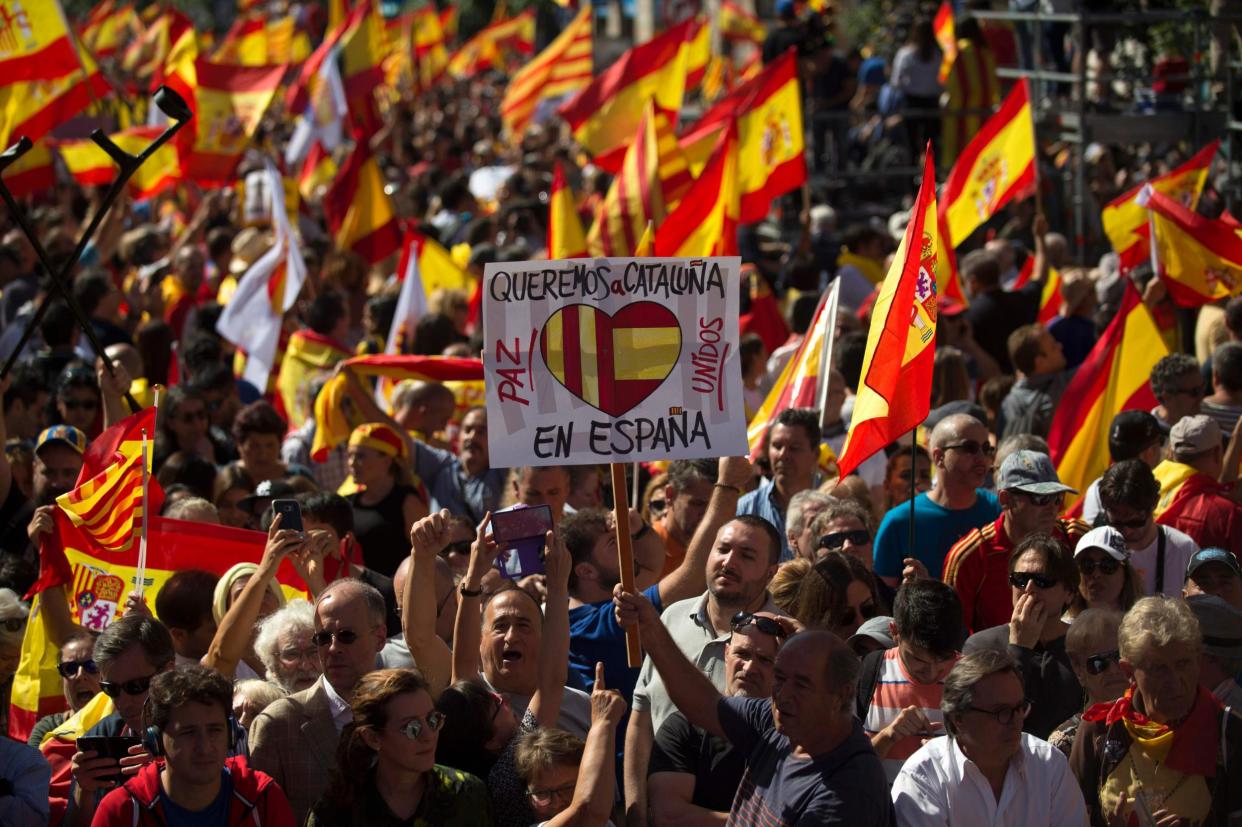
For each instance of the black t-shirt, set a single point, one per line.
(15, 514)
(716, 766)
(380, 530)
(997, 313)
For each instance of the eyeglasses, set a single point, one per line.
(135, 687)
(767, 625)
(414, 727)
(293, 654)
(501, 703)
(973, 447)
(1020, 580)
(542, 798)
(69, 668)
(1106, 566)
(79, 404)
(345, 637)
(13, 624)
(1136, 523)
(837, 539)
(1006, 714)
(1097, 664)
(1041, 500)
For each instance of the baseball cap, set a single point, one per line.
(1212, 555)
(877, 629)
(264, 493)
(1133, 431)
(1030, 472)
(1107, 539)
(62, 435)
(1194, 435)
(1220, 624)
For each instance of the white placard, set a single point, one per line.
(589, 361)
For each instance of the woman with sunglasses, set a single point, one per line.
(1092, 647)
(1108, 580)
(838, 595)
(79, 676)
(185, 425)
(386, 770)
(1043, 578)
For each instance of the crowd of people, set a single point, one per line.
(951, 634)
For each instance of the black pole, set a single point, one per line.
(914, 434)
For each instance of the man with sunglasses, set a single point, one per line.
(79, 681)
(977, 567)
(1129, 493)
(1192, 499)
(1177, 384)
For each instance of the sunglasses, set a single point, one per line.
(135, 687)
(744, 620)
(1041, 500)
(973, 447)
(345, 637)
(837, 539)
(1096, 664)
(79, 404)
(70, 668)
(13, 624)
(1021, 579)
(1106, 566)
(414, 727)
(849, 617)
(1136, 523)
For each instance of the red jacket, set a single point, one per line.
(1202, 508)
(258, 801)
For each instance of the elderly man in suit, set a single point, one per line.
(294, 740)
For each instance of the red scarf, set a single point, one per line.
(1194, 740)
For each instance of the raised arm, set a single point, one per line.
(112, 389)
(1039, 229)
(467, 629)
(690, 578)
(237, 625)
(595, 789)
(554, 647)
(418, 601)
(688, 688)
(53, 603)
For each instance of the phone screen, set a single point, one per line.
(290, 512)
(521, 523)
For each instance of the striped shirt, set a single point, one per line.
(894, 691)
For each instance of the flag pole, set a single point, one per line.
(141, 572)
(914, 441)
(825, 348)
(634, 492)
(625, 557)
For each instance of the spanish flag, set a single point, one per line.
(308, 356)
(91, 166)
(1113, 378)
(737, 24)
(971, 87)
(486, 49)
(357, 209)
(113, 32)
(430, 48)
(634, 198)
(229, 101)
(605, 115)
(35, 42)
(698, 49)
(997, 166)
(363, 48)
(561, 69)
(297, 95)
(33, 108)
(1123, 218)
(565, 236)
(946, 35)
(1199, 259)
(245, 43)
(146, 56)
(448, 22)
(705, 222)
(31, 173)
(894, 393)
(437, 268)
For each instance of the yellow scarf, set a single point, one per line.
(1171, 476)
(870, 268)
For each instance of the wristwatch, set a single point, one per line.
(469, 592)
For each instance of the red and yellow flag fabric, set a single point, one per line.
(698, 48)
(605, 114)
(308, 356)
(634, 198)
(430, 48)
(333, 422)
(1113, 378)
(35, 107)
(363, 48)
(1123, 218)
(245, 43)
(359, 212)
(718, 79)
(705, 222)
(229, 101)
(565, 236)
(675, 175)
(894, 393)
(108, 508)
(946, 36)
(438, 270)
(31, 173)
(91, 166)
(738, 24)
(771, 149)
(1200, 259)
(996, 166)
(971, 89)
(35, 43)
(561, 69)
(486, 49)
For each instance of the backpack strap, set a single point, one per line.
(868, 677)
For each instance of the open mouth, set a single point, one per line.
(510, 656)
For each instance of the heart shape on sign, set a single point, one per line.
(612, 363)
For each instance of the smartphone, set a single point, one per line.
(115, 747)
(290, 513)
(521, 522)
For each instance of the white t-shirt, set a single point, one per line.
(1091, 505)
(1178, 550)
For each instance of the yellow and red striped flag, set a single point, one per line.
(946, 35)
(1113, 378)
(35, 42)
(359, 212)
(363, 47)
(698, 48)
(972, 87)
(31, 173)
(91, 166)
(634, 198)
(705, 222)
(738, 24)
(108, 508)
(605, 114)
(430, 48)
(997, 166)
(1199, 259)
(894, 393)
(33, 108)
(112, 32)
(229, 101)
(562, 68)
(245, 43)
(486, 49)
(565, 236)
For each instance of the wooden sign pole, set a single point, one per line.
(625, 557)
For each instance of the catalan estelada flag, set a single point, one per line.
(740, 25)
(359, 212)
(605, 114)
(565, 236)
(486, 49)
(91, 166)
(33, 108)
(1199, 259)
(634, 197)
(229, 101)
(1113, 378)
(35, 43)
(1123, 218)
(894, 392)
(996, 166)
(561, 69)
(705, 222)
(946, 36)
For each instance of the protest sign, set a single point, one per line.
(588, 361)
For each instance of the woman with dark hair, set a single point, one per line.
(916, 74)
(387, 503)
(386, 762)
(76, 400)
(1107, 579)
(1043, 579)
(839, 595)
(184, 426)
(258, 431)
(232, 486)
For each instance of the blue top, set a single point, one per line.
(450, 487)
(760, 502)
(844, 786)
(214, 814)
(596, 636)
(936, 527)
